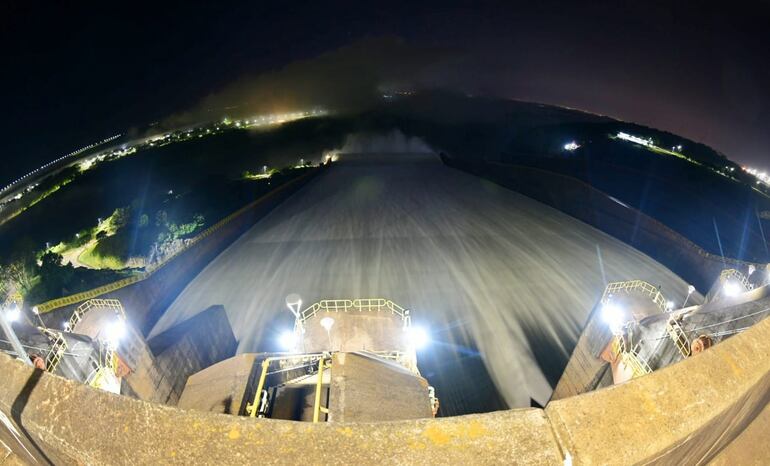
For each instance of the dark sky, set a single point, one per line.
(74, 73)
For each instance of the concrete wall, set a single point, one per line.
(219, 388)
(187, 348)
(687, 413)
(146, 300)
(355, 331)
(366, 389)
(580, 200)
(585, 370)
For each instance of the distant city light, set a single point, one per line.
(761, 176)
(634, 139)
(571, 146)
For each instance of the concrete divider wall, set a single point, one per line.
(596, 208)
(146, 298)
(687, 413)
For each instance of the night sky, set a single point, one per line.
(75, 73)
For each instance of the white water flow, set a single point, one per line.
(460, 252)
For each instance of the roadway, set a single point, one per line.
(483, 267)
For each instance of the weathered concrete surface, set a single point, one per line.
(355, 331)
(684, 414)
(367, 389)
(219, 388)
(75, 424)
(751, 447)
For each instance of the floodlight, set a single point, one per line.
(730, 289)
(114, 332)
(294, 303)
(288, 340)
(418, 338)
(327, 323)
(13, 314)
(613, 315)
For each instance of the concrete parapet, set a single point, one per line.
(687, 413)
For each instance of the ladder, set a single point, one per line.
(58, 348)
(630, 358)
(676, 332)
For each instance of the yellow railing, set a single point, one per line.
(94, 303)
(254, 408)
(676, 332)
(733, 274)
(58, 347)
(49, 306)
(407, 359)
(631, 358)
(635, 285)
(352, 305)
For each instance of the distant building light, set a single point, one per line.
(634, 139)
(571, 146)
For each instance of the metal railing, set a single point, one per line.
(58, 347)
(631, 358)
(676, 332)
(352, 305)
(81, 310)
(407, 359)
(259, 407)
(640, 286)
(733, 274)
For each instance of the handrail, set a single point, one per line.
(676, 332)
(58, 347)
(253, 408)
(81, 310)
(635, 285)
(347, 305)
(632, 359)
(727, 274)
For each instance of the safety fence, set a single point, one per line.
(352, 305)
(733, 274)
(639, 286)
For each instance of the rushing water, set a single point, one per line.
(491, 273)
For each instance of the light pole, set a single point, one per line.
(6, 317)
